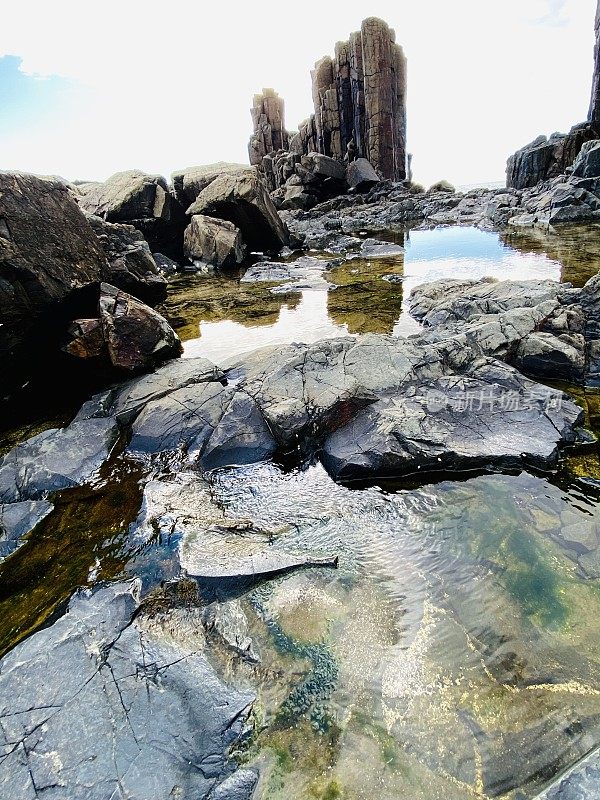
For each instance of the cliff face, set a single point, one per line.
(359, 98)
(594, 115)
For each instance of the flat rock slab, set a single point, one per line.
(582, 782)
(101, 706)
(56, 459)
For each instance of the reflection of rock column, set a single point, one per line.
(270, 135)
(594, 115)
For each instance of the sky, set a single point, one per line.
(88, 89)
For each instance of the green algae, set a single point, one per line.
(195, 298)
(362, 299)
(82, 541)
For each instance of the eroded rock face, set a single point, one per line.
(131, 266)
(594, 115)
(360, 100)
(213, 241)
(48, 251)
(127, 334)
(111, 704)
(548, 158)
(243, 199)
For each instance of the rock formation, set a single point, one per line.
(546, 158)
(594, 114)
(270, 135)
(359, 98)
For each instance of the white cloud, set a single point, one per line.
(170, 84)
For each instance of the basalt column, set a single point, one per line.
(360, 96)
(268, 117)
(594, 115)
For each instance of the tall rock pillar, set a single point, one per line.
(268, 117)
(594, 115)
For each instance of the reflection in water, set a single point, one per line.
(454, 653)
(575, 247)
(219, 317)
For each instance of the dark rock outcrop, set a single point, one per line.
(131, 266)
(268, 117)
(48, 254)
(548, 158)
(110, 704)
(141, 200)
(360, 100)
(127, 335)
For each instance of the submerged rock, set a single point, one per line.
(19, 519)
(109, 704)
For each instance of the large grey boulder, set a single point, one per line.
(127, 334)
(48, 251)
(128, 195)
(360, 175)
(131, 266)
(56, 459)
(243, 199)
(189, 182)
(104, 703)
(213, 241)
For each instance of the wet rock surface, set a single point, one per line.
(546, 329)
(151, 716)
(127, 335)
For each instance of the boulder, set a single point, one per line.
(131, 266)
(166, 266)
(48, 254)
(361, 176)
(244, 200)
(142, 200)
(189, 182)
(587, 163)
(112, 705)
(442, 186)
(213, 241)
(127, 335)
(125, 196)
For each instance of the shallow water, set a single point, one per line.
(454, 653)
(218, 317)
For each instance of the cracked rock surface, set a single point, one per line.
(110, 706)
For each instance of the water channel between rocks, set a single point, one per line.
(454, 653)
